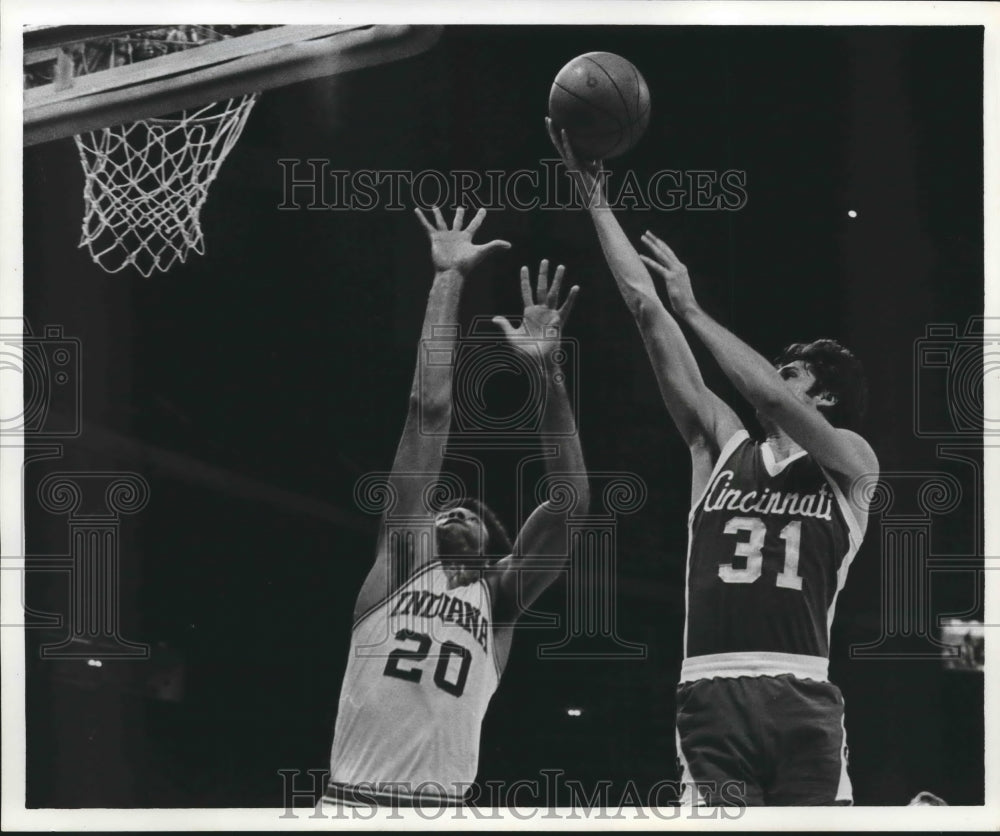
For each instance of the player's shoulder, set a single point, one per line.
(853, 464)
(861, 449)
(858, 481)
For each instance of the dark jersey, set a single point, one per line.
(769, 549)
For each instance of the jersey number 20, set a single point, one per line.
(751, 550)
(412, 657)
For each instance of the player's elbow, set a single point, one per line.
(644, 308)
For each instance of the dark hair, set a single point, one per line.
(838, 372)
(498, 540)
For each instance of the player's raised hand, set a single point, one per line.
(540, 331)
(664, 262)
(587, 175)
(452, 249)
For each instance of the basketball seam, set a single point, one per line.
(590, 103)
(638, 89)
(618, 90)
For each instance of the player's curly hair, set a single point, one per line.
(838, 372)
(498, 544)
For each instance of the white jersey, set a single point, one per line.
(420, 675)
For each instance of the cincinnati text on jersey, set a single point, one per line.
(447, 608)
(722, 497)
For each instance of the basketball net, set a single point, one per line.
(146, 183)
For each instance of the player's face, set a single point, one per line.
(799, 378)
(460, 533)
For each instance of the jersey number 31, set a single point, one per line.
(789, 578)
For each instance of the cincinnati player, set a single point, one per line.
(434, 619)
(773, 529)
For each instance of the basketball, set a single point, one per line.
(601, 100)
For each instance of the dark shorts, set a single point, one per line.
(762, 740)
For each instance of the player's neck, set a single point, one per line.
(460, 575)
(781, 445)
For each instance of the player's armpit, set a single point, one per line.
(722, 422)
(382, 580)
(705, 453)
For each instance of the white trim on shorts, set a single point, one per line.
(755, 663)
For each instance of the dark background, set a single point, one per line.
(253, 386)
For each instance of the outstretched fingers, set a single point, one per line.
(459, 217)
(655, 265)
(424, 222)
(567, 306)
(543, 281)
(439, 219)
(476, 222)
(660, 248)
(493, 246)
(553, 298)
(526, 287)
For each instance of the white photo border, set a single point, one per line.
(14, 14)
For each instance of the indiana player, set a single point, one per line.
(773, 529)
(434, 619)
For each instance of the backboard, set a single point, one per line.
(154, 112)
(247, 63)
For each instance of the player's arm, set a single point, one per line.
(840, 450)
(541, 546)
(428, 417)
(703, 419)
